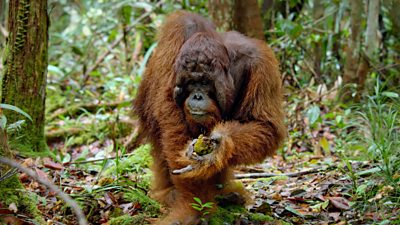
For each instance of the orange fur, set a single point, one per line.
(250, 129)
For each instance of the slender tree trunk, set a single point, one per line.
(371, 44)
(353, 51)
(371, 38)
(318, 12)
(3, 31)
(394, 13)
(221, 12)
(268, 13)
(247, 19)
(23, 81)
(241, 15)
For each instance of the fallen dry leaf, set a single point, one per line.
(48, 163)
(339, 202)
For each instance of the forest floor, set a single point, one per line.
(321, 176)
(300, 189)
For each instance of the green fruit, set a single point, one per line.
(203, 146)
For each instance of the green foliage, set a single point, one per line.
(232, 214)
(15, 109)
(379, 124)
(139, 160)
(203, 208)
(150, 206)
(12, 191)
(377, 138)
(128, 220)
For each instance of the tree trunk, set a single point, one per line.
(247, 19)
(3, 31)
(318, 12)
(371, 38)
(268, 13)
(221, 12)
(394, 14)
(23, 81)
(240, 15)
(353, 51)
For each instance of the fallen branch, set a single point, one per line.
(89, 107)
(67, 199)
(59, 133)
(56, 135)
(294, 174)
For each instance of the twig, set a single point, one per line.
(387, 67)
(101, 58)
(75, 207)
(295, 174)
(97, 160)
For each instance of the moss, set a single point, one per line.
(27, 152)
(149, 205)
(128, 220)
(231, 214)
(12, 191)
(140, 158)
(116, 212)
(259, 217)
(223, 216)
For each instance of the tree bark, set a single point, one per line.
(318, 12)
(394, 14)
(23, 81)
(3, 31)
(221, 12)
(371, 38)
(240, 15)
(353, 51)
(247, 19)
(268, 13)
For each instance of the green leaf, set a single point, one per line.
(317, 207)
(208, 205)
(325, 204)
(313, 114)
(361, 189)
(390, 94)
(297, 213)
(196, 207)
(77, 50)
(369, 171)
(55, 70)
(16, 109)
(198, 200)
(325, 145)
(67, 158)
(126, 12)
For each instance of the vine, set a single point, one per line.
(22, 24)
(20, 38)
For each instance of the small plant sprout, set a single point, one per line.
(202, 207)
